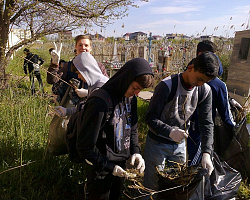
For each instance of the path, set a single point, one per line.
(146, 95)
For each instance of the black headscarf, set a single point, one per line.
(118, 84)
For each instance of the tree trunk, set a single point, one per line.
(4, 33)
(3, 60)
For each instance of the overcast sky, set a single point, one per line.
(189, 17)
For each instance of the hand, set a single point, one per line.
(81, 92)
(60, 111)
(36, 67)
(207, 163)
(55, 54)
(118, 171)
(235, 104)
(139, 160)
(177, 135)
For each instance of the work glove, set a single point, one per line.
(81, 92)
(55, 54)
(207, 163)
(60, 111)
(137, 158)
(235, 104)
(118, 171)
(177, 134)
(36, 67)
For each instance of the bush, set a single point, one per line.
(225, 61)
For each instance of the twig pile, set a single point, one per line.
(177, 180)
(180, 174)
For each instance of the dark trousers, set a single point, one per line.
(32, 81)
(102, 185)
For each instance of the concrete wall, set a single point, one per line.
(238, 81)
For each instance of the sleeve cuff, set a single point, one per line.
(110, 166)
(70, 111)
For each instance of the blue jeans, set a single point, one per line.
(158, 154)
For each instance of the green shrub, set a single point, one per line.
(225, 61)
(142, 127)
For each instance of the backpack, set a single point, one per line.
(59, 88)
(71, 133)
(174, 79)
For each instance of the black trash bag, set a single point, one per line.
(183, 187)
(232, 145)
(224, 181)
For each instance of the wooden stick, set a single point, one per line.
(16, 167)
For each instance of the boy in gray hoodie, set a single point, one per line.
(88, 71)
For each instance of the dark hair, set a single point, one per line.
(207, 63)
(145, 80)
(62, 61)
(79, 37)
(51, 49)
(73, 68)
(206, 45)
(26, 50)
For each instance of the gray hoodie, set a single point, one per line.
(89, 69)
(91, 72)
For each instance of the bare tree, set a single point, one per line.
(44, 17)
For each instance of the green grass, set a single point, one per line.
(142, 127)
(23, 140)
(244, 191)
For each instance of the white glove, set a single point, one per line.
(118, 171)
(235, 104)
(207, 163)
(36, 67)
(55, 54)
(139, 160)
(81, 92)
(177, 135)
(60, 111)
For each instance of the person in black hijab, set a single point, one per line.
(106, 143)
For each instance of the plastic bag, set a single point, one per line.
(174, 190)
(224, 181)
(58, 127)
(179, 188)
(232, 145)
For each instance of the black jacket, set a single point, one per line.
(97, 139)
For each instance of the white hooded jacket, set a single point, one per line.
(91, 72)
(89, 69)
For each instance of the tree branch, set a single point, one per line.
(20, 11)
